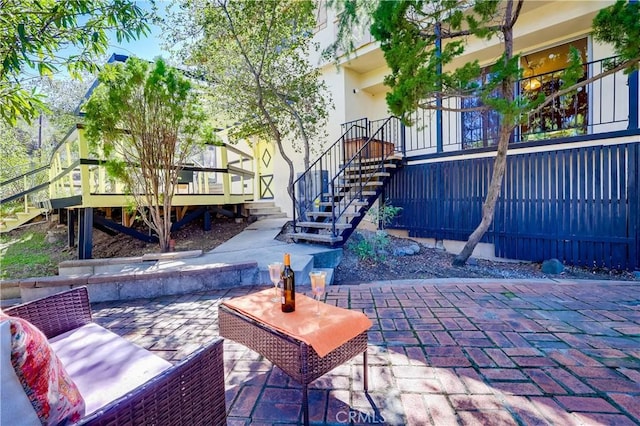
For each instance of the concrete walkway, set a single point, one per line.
(257, 243)
(441, 353)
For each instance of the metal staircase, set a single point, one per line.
(333, 195)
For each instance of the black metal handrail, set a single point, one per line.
(319, 183)
(598, 107)
(353, 129)
(387, 132)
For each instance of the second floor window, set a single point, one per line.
(479, 128)
(567, 115)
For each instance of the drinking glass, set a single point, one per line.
(317, 286)
(275, 270)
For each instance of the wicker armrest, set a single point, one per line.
(189, 393)
(58, 313)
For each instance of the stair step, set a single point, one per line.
(330, 214)
(264, 210)
(323, 225)
(351, 194)
(269, 215)
(377, 160)
(354, 203)
(357, 184)
(356, 169)
(259, 204)
(19, 218)
(352, 176)
(324, 238)
(24, 215)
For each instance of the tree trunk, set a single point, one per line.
(489, 206)
(287, 160)
(507, 125)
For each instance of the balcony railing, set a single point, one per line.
(74, 172)
(599, 107)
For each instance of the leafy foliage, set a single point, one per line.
(15, 159)
(619, 25)
(41, 37)
(145, 119)
(384, 214)
(371, 247)
(255, 55)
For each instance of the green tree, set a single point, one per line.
(41, 37)
(255, 54)
(61, 97)
(408, 32)
(15, 159)
(145, 120)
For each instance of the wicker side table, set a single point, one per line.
(299, 360)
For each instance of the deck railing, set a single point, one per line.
(29, 189)
(75, 177)
(599, 107)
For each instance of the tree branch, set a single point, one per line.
(516, 14)
(576, 86)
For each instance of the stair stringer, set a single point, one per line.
(355, 221)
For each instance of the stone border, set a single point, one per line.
(144, 284)
(114, 264)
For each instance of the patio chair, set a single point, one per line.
(190, 392)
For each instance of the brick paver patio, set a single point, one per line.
(492, 353)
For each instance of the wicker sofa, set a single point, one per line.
(188, 393)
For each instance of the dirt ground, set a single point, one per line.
(56, 249)
(427, 263)
(435, 263)
(190, 237)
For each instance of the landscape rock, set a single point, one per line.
(55, 236)
(552, 266)
(415, 248)
(472, 261)
(409, 250)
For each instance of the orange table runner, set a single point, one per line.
(333, 328)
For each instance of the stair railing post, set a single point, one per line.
(403, 139)
(293, 211)
(634, 92)
(322, 177)
(26, 196)
(333, 208)
(360, 175)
